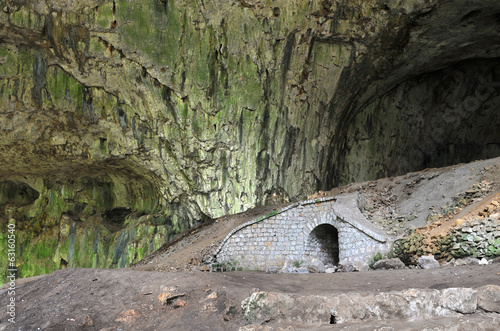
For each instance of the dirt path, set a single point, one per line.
(125, 299)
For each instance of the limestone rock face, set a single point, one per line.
(134, 121)
(407, 305)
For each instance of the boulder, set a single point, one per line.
(393, 263)
(462, 300)
(316, 267)
(428, 262)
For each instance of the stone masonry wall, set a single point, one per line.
(479, 238)
(287, 234)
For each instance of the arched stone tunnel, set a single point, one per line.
(330, 230)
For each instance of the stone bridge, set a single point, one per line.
(328, 229)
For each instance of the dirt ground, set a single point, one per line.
(125, 299)
(168, 290)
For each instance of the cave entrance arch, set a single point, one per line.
(323, 244)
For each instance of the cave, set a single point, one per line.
(118, 214)
(433, 120)
(17, 193)
(432, 100)
(323, 244)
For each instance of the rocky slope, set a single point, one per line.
(124, 123)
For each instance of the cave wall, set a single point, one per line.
(189, 110)
(436, 119)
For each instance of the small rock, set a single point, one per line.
(393, 263)
(272, 269)
(488, 298)
(466, 261)
(483, 261)
(450, 263)
(496, 260)
(288, 270)
(205, 268)
(361, 266)
(428, 262)
(179, 303)
(330, 270)
(345, 266)
(127, 316)
(302, 271)
(316, 267)
(165, 297)
(87, 321)
(290, 262)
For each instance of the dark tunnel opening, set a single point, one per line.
(323, 244)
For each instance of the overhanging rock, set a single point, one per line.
(329, 229)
